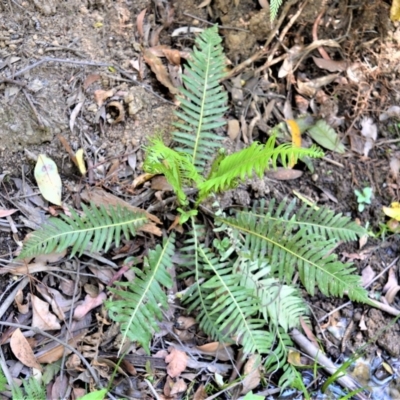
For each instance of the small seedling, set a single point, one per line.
(364, 197)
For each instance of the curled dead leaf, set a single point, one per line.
(118, 108)
(42, 318)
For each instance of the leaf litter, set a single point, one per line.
(64, 273)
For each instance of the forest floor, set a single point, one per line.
(80, 75)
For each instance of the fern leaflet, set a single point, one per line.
(231, 308)
(287, 248)
(255, 159)
(100, 224)
(280, 305)
(322, 221)
(203, 104)
(175, 166)
(137, 303)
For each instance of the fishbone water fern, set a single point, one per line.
(100, 224)
(243, 294)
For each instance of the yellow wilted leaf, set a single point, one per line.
(80, 162)
(393, 211)
(48, 180)
(395, 10)
(296, 136)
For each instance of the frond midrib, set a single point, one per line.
(295, 255)
(95, 228)
(300, 223)
(150, 279)
(237, 306)
(199, 125)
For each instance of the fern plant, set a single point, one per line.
(244, 293)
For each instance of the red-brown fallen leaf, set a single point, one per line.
(177, 362)
(221, 351)
(173, 56)
(200, 393)
(159, 69)
(284, 174)
(100, 96)
(6, 213)
(22, 351)
(90, 79)
(88, 304)
(42, 318)
(252, 374)
(178, 387)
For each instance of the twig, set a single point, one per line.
(264, 50)
(346, 381)
(156, 396)
(11, 297)
(38, 117)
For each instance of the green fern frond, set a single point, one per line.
(253, 160)
(274, 8)
(203, 104)
(280, 305)
(322, 221)
(286, 248)
(33, 390)
(137, 306)
(231, 308)
(100, 225)
(3, 381)
(175, 166)
(196, 296)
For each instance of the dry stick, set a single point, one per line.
(270, 60)
(325, 362)
(11, 297)
(262, 52)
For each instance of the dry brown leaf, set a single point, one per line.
(252, 374)
(221, 351)
(100, 96)
(367, 275)
(200, 394)
(330, 65)
(26, 269)
(173, 56)
(139, 23)
(6, 213)
(177, 362)
(160, 71)
(310, 336)
(59, 387)
(160, 182)
(90, 79)
(185, 322)
(42, 318)
(50, 258)
(178, 387)
(205, 3)
(88, 304)
(22, 351)
(233, 128)
(284, 174)
(19, 298)
(56, 352)
(141, 179)
(102, 198)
